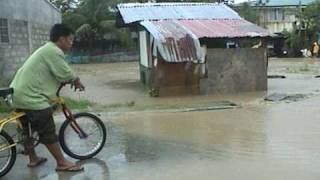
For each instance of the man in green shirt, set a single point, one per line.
(36, 83)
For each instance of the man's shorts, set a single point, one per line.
(41, 122)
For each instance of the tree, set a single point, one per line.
(94, 21)
(310, 18)
(307, 28)
(247, 12)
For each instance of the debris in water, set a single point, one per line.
(276, 77)
(285, 97)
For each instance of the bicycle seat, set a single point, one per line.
(4, 92)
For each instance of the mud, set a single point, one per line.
(260, 140)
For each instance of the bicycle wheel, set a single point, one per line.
(7, 155)
(79, 147)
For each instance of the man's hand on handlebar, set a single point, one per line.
(77, 85)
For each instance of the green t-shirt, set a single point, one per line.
(37, 81)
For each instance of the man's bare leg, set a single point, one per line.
(34, 159)
(62, 162)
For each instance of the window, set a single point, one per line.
(4, 30)
(276, 14)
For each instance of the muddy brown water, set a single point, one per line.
(259, 140)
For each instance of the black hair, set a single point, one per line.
(60, 30)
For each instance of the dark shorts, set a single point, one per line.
(41, 122)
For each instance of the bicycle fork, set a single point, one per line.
(73, 123)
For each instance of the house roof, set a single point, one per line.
(223, 28)
(174, 42)
(288, 2)
(209, 28)
(177, 40)
(177, 27)
(134, 12)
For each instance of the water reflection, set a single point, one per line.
(141, 148)
(218, 133)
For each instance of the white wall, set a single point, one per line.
(143, 48)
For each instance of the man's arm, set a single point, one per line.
(62, 71)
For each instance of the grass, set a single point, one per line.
(126, 106)
(133, 106)
(71, 103)
(77, 104)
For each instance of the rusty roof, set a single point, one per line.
(135, 12)
(174, 42)
(178, 40)
(211, 28)
(223, 28)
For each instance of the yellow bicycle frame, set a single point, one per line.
(12, 117)
(15, 116)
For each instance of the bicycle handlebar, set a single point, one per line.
(59, 89)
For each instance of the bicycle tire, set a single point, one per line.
(11, 157)
(71, 146)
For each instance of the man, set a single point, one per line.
(35, 83)
(315, 50)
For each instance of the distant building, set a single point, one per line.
(280, 15)
(192, 48)
(24, 26)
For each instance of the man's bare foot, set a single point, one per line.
(68, 166)
(36, 162)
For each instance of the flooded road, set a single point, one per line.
(257, 140)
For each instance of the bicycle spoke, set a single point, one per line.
(92, 143)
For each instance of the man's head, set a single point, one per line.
(62, 35)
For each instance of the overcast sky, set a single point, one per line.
(239, 1)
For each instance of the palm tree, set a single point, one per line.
(91, 20)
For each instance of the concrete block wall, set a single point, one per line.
(12, 54)
(22, 43)
(29, 23)
(40, 35)
(235, 70)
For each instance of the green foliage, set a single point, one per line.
(94, 20)
(77, 104)
(311, 16)
(247, 12)
(154, 92)
(295, 42)
(308, 26)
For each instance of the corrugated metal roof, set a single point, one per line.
(223, 28)
(178, 40)
(133, 12)
(174, 42)
(212, 28)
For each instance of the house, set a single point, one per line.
(196, 48)
(281, 15)
(24, 26)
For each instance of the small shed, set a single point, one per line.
(196, 48)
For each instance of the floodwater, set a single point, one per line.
(257, 140)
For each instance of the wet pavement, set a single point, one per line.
(258, 140)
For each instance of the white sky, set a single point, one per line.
(239, 1)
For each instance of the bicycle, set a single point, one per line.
(81, 135)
